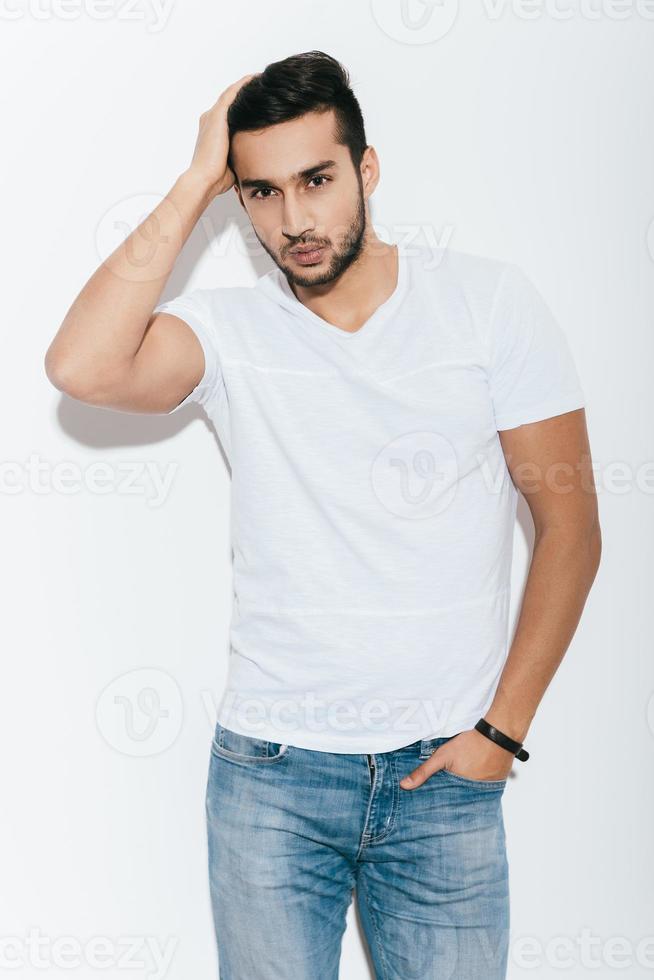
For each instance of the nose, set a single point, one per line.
(295, 221)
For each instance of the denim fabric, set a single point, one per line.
(292, 832)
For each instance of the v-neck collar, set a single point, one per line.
(276, 285)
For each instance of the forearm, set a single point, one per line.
(105, 325)
(563, 566)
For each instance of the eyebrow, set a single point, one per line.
(301, 175)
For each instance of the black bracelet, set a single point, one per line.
(500, 738)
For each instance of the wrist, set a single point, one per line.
(516, 729)
(197, 185)
(503, 739)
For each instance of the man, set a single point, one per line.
(380, 408)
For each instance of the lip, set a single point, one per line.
(308, 256)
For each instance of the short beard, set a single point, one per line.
(341, 260)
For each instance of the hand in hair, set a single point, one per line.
(209, 163)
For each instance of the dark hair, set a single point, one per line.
(308, 82)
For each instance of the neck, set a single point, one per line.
(350, 300)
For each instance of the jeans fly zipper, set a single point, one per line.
(371, 767)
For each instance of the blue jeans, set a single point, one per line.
(292, 831)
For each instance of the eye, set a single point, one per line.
(259, 191)
(267, 192)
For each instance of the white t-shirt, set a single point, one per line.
(372, 511)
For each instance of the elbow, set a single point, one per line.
(53, 369)
(595, 546)
(80, 380)
(589, 550)
(69, 377)
(61, 373)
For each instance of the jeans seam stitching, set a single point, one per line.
(223, 753)
(371, 913)
(218, 743)
(363, 842)
(394, 805)
(473, 782)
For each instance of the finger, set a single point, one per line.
(418, 776)
(230, 92)
(242, 81)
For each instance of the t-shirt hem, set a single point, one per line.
(177, 308)
(344, 744)
(544, 410)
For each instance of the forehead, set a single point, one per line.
(279, 153)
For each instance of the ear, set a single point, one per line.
(369, 170)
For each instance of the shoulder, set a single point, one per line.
(464, 286)
(464, 273)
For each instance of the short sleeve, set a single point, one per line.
(195, 309)
(532, 374)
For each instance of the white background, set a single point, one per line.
(523, 137)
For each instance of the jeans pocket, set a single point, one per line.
(467, 781)
(227, 744)
(430, 745)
